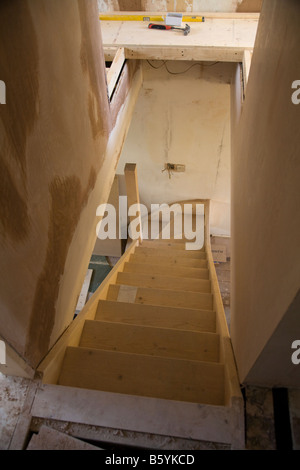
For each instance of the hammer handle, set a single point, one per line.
(158, 26)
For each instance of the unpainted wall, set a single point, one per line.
(265, 206)
(183, 116)
(58, 149)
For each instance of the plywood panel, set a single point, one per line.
(265, 178)
(153, 341)
(172, 253)
(162, 316)
(173, 379)
(164, 282)
(217, 39)
(195, 273)
(169, 261)
(183, 299)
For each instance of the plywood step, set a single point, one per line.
(168, 260)
(163, 282)
(167, 244)
(149, 296)
(171, 239)
(158, 316)
(194, 273)
(151, 341)
(195, 254)
(134, 374)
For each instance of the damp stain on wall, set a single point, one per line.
(98, 105)
(13, 207)
(68, 199)
(19, 70)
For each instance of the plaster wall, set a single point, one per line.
(183, 117)
(60, 140)
(265, 206)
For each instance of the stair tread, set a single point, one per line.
(170, 260)
(195, 254)
(154, 315)
(155, 341)
(195, 273)
(135, 374)
(167, 244)
(164, 282)
(154, 296)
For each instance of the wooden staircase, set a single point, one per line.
(149, 357)
(126, 349)
(157, 331)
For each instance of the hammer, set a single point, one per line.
(185, 30)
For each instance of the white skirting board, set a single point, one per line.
(84, 291)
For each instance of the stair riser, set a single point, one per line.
(197, 254)
(163, 282)
(172, 379)
(147, 296)
(157, 316)
(171, 261)
(167, 244)
(194, 273)
(150, 341)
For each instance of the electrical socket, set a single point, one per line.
(176, 167)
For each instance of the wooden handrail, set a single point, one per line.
(114, 71)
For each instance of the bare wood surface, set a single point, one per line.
(153, 341)
(164, 282)
(135, 374)
(223, 39)
(159, 316)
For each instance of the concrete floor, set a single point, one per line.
(13, 392)
(259, 412)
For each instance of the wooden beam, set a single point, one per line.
(184, 52)
(84, 291)
(110, 53)
(115, 70)
(132, 190)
